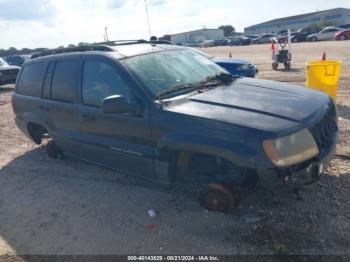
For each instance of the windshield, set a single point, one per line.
(2, 62)
(162, 71)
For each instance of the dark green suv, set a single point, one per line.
(171, 115)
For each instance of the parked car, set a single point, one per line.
(207, 43)
(220, 42)
(300, 35)
(343, 35)
(237, 67)
(172, 116)
(347, 26)
(263, 39)
(325, 34)
(17, 60)
(8, 73)
(238, 41)
(251, 37)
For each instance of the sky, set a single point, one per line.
(52, 23)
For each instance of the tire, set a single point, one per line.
(274, 66)
(295, 40)
(313, 39)
(53, 151)
(343, 37)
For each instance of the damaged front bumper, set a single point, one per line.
(304, 173)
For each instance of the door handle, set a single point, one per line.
(45, 108)
(86, 117)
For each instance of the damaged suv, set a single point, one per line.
(171, 115)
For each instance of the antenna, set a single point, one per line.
(106, 37)
(149, 25)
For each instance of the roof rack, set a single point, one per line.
(121, 42)
(73, 49)
(102, 46)
(133, 42)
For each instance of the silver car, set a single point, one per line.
(325, 34)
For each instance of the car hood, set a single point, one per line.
(230, 61)
(260, 104)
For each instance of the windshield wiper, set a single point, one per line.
(208, 82)
(223, 77)
(176, 88)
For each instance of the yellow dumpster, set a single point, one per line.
(324, 76)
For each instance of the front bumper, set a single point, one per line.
(8, 79)
(313, 171)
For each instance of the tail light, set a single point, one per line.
(13, 103)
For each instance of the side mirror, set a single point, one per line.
(118, 104)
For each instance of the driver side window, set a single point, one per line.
(101, 80)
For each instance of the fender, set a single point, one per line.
(40, 119)
(239, 154)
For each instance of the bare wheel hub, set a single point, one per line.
(218, 199)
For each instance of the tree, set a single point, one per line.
(323, 22)
(228, 29)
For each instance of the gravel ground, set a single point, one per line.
(68, 207)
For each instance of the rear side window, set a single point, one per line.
(63, 81)
(100, 80)
(31, 79)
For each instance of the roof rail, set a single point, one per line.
(83, 48)
(133, 42)
(102, 46)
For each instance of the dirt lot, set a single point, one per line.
(68, 207)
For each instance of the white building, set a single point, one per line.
(197, 35)
(336, 16)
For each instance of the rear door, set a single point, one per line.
(28, 91)
(59, 103)
(121, 141)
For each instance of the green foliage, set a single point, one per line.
(24, 51)
(322, 23)
(228, 30)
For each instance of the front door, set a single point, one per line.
(121, 141)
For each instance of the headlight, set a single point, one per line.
(243, 67)
(292, 149)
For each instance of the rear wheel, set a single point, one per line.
(343, 37)
(314, 39)
(53, 151)
(295, 40)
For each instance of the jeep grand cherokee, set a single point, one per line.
(171, 115)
